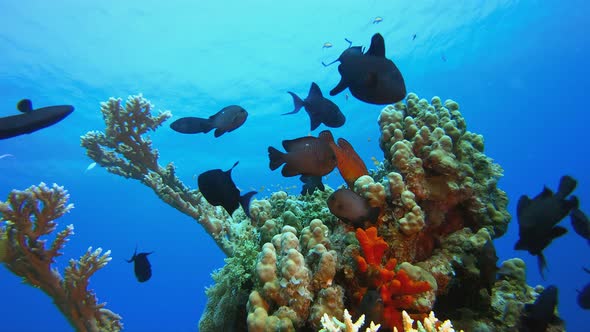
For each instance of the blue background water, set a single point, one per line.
(518, 69)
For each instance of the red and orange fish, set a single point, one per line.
(350, 165)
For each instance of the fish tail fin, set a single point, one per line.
(542, 263)
(245, 202)
(573, 203)
(567, 184)
(297, 103)
(276, 158)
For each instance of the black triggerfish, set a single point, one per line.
(142, 267)
(538, 218)
(370, 76)
(32, 119)
(219, 189)
(320, 109)
(228, 119)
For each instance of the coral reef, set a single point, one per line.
(27, 217)
(294, 262)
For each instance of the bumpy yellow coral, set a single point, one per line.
(372, 191)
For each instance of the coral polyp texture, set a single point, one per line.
(295, 267)
(27, 219)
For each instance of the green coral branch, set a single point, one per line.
(125, 149)
(29, 215)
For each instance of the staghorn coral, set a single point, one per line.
(27, 217)
(125, 149)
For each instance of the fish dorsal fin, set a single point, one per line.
(314, 91)
(377, 47)
(546, 193)
(134, 255)
(236, 164)
(523, 202)
(25, 105)
(326, 136)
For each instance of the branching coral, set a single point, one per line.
(28, 216)
(125, 149)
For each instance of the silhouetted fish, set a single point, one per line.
(352, 208)
(370, 77)
(537, 218)
(32, 120)
(537, 316)
(142, 267)
(310, 184)
(319, 109)
(372, 306)
(219, 189)
(305, 156)
(414, 37)
(580, 224)
(228, 119)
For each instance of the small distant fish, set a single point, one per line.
(538, 217)
(370, 76)
(228, 119)
(584, 295)
(443, 57)
(352, 208)
(580, 224)
(6, 156)
(310, 184)
(142, 267)
(327, 45)
(219, 189)
(536, 317)
(304, 156)
(31, 119)
(319, 109)
(90, 167)
(375, 161)
(350, 165)
(377, 19)
(414, 37)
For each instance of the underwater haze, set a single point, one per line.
(518, 69)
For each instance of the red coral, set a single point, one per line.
(397, 289)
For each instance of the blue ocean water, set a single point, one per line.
(518, 69)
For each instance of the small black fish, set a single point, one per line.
(584, 295)
(219, 189)
(310, 184)
(538, 217)
(142, 267)
(319, 109)
(580, 224)
(443, 57)
(352, 208)
(414, 37)
(228, 119)
(536, 317)
(304, 156)
(370, 77)
(32, 119)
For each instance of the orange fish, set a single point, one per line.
(350, 165)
